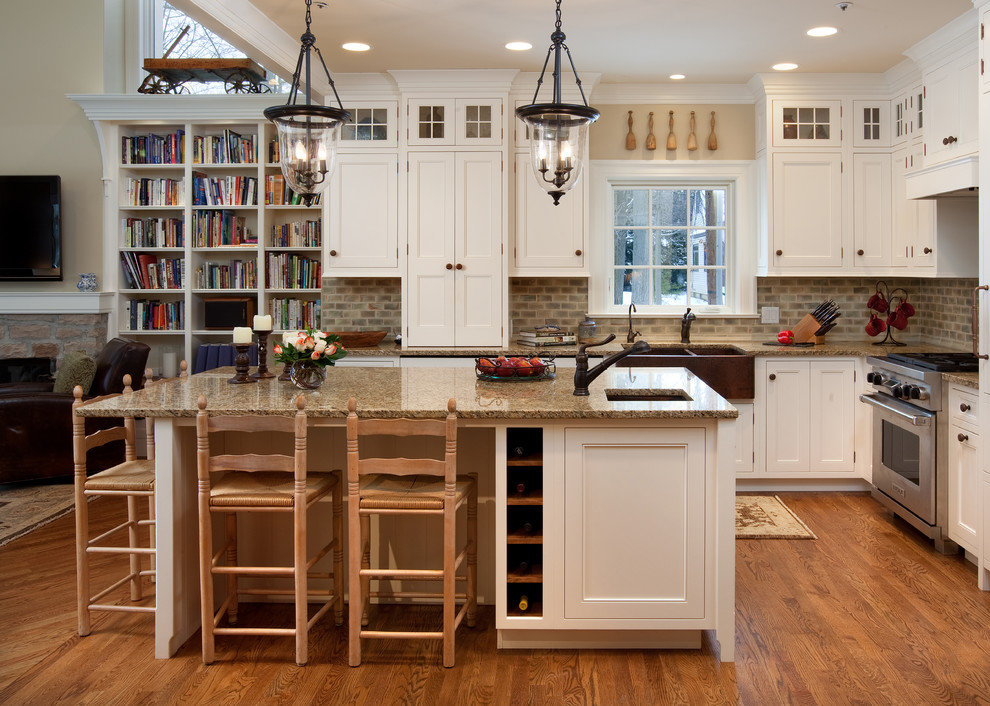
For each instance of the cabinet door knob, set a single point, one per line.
(449, 266)
(963, 438)
(949, 140)
(964, 407)
(860, 252)
(927, 251)
(333, 253)
(578, 253)
(779, 253)
(773, 376)
(459, 266)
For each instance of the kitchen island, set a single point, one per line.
(634, 514)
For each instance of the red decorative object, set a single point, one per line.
(895, 304)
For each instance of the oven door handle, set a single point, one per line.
(918, 420)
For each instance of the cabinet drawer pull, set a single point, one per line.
(964, 407)
(773, 376)
(578, 253)
(779, 253)
(949, 140)
(333, 253)
(927, 251)
(860, 252)
(449, 266)
(963, 438)
(459, 266)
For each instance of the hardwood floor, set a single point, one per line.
(867, 614)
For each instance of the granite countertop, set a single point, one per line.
(423, 392)
(963, 379)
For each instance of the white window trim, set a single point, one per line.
(741, 262)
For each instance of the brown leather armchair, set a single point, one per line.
(36, 423)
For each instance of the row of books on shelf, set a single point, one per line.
(291, 271)
(229, 148)
(274, 155)
(154, 315)
(278, 193)
(153, 232)
(545, 337)
(154, 192)
(236, 274)
(152, 148)
(146, 271)
(295, 314)
(213, 229)
(298, 234)
(224, 191)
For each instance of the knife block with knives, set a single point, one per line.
(813, 327)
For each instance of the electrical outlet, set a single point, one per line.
(770, 315)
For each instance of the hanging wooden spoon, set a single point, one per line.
(671, 140)
(651, 139)
(692, 140)
(630, 137)
(712, 142)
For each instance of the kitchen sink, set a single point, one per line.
(726, 369)
(617, 395)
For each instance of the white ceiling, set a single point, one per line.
(626, 41)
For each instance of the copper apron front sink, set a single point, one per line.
(726, 369)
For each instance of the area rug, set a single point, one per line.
(25, 508)
(767, 517)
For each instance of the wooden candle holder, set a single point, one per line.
(241, 365)
(263, 372)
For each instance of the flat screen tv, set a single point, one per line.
(30, 228)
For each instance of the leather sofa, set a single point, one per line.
(36, 423)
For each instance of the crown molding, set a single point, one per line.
(454, 81)
(673, 94)
(178, 108)
(56, 302)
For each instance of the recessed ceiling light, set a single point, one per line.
(822, 31)
(518, 46)
(784, 67)
(677, 77)
(356, 46)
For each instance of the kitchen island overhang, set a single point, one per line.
(662, 470)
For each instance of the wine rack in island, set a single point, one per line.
(524, 522)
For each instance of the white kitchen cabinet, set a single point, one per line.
(908, 116)
(624, 490)
(963, 478)
(369, 361)
(871, 210)
(913, 233)
(951, 111)
(462, 122)
(806, 228)
(871, 123)
(809, 408)
(807, 123)
(363, 233)
(549, 239)
(744, 455)
(454, 284)
(373, 125)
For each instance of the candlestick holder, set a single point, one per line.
(263, 372)
(242, 364)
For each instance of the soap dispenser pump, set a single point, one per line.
(587, 330)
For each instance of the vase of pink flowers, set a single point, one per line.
(306, 355)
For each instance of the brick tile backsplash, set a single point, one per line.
(943, 308)
(51, 335)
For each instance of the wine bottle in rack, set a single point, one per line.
(520, 488)
(523, 603)
(525, 528)
(523, 568)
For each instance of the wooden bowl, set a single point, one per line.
(360, 339)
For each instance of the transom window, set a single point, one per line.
(669, 245)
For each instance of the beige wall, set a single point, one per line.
(734, 129)
(49, 49)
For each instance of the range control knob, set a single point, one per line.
(897, 391)
(869, 377)
(877, 379)
(913, 392)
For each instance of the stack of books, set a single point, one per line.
(546, 336)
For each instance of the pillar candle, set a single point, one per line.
(263, 322)
(242, 334)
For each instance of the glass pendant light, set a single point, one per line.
(558, 131)
(307, 134)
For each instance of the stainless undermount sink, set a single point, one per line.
(622, 395)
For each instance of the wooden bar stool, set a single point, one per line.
(409, 486)
(132, 479)
(264, 483)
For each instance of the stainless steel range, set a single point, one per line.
(909, 450)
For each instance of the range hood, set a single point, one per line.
(959, 177)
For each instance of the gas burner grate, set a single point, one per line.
(939, 362)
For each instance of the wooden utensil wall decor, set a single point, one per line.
(630, 137)
(692, 143)
(651, 139)
(671, 140)
(712, 142)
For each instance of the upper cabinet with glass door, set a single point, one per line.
(455, 122)
(372, 126)
(871, 123)
(807, 124)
